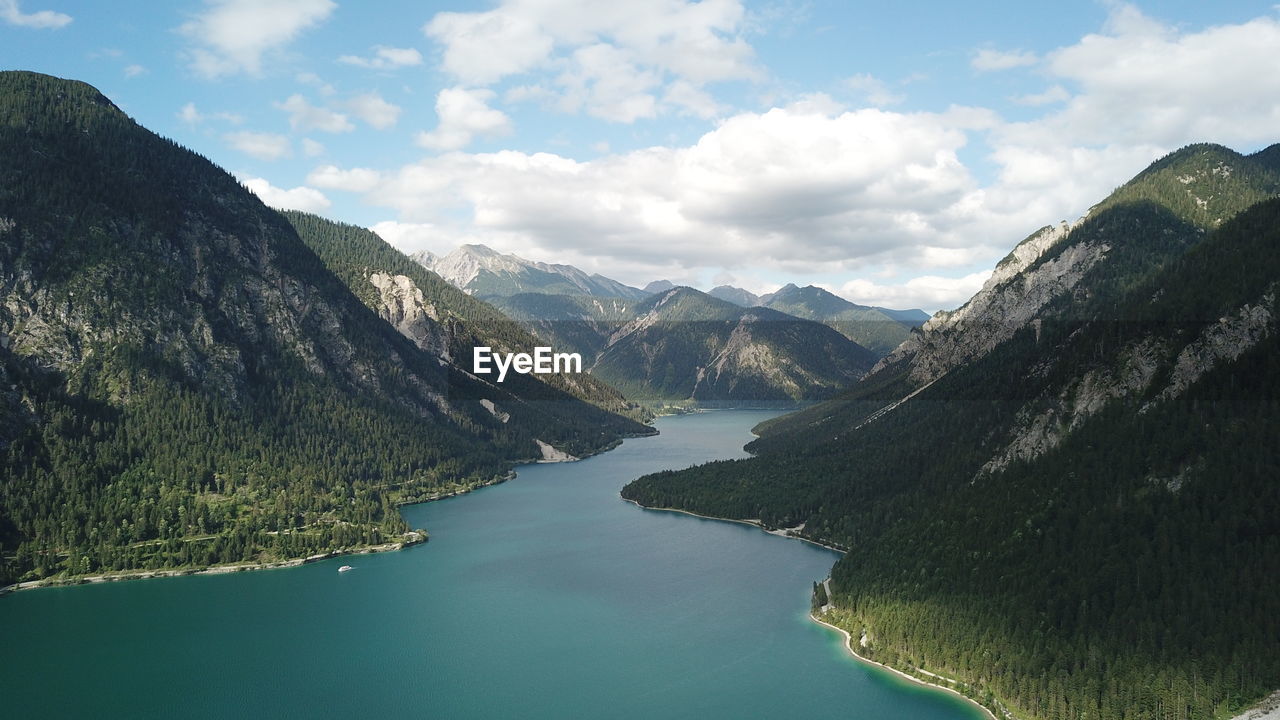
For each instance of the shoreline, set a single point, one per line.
(782, 533)
(848, 639)
(413, 537)
(848, 646)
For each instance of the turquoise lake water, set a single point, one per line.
(545, 597)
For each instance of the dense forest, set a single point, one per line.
(1122, 563)
(184, 382)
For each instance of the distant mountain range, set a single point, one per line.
(1064, 492)
(484, 272)
(684, 346)
(584, 313)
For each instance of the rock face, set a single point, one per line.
(404, 307)
(1007, 302)
(551, 455)
(482, 271)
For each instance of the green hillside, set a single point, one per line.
(185, 382)
(1080, 522)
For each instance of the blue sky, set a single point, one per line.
(889, 152)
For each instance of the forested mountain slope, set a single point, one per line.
(447, 323)
(1063, 493)
(576, 323)
(184, 382)
(685, 345)
(869, 327)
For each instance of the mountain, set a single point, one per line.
(735, 295)
(576, 323)
(870, 327)
(658, 286)
(183, 381)
(685, 345)
(483, 272)
(911, 318)
(447, 323)
(1062, 493)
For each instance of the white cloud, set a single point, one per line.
(263, 146)
(613, 60)
(463, 114)
(926, 291)
(988, 60)
(188, 114)
(232, 36)
(1144, 83)
(311, 148)
(305, 116)
(385, 58)
(132, 71)
(299, 198)
(797, 187)
(374, 110)
(353, 180)
(1055, 94)
(12, 14)
(314, 80)
(874, 89)
(689, 99)
(482, 48)
(409, 237)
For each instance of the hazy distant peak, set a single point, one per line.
(735, 295)
(481, 270)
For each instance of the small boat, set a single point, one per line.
(344, 568)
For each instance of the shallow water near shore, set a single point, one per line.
(545, 597)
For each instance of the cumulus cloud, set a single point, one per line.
(374, 110)
(1142, 82)
(263, 146)
(926, 291)
(813, 187)
(133, 71)
(617, 61)
(12, 14)
(408, 237)
(305, 116)
(311, 148)
(299, 198)
(797, 187)
(689, 99)
(354, 180)
(385, 58)
(464, 114)
(987, 60)
(1055, 94)
(232, 36)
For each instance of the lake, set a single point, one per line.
(545, 597)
